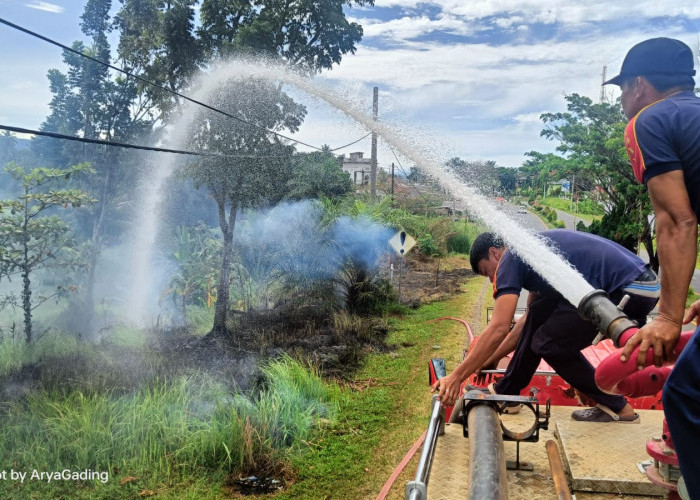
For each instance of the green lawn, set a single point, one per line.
(386, 409)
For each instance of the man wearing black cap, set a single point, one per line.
(662, 140)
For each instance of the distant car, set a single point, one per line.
(522, 209)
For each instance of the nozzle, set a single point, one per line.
(608, 318)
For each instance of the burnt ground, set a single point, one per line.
(305, 332)
(308, 331)
(425, 281)
(234, 358)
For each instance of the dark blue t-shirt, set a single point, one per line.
(604, 264)
(665, 136)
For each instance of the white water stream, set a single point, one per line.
(530, 247)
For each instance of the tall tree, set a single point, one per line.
(256, 169)
(8, 143)
(158, 42)
(89, 101)
(31, 236)
(590, 137)
(481, 175)
(309, 34)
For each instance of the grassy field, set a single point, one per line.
(386, 408)
(565, 205)
(189, 437)
(177, 438)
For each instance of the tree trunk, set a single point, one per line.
(223, 289)
(95, 251)
(26, 289)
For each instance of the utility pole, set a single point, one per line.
(602, 87)
(573, 183)
(373, 167)
(392, 181)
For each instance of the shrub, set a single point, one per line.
(428, 246)
(458, 243)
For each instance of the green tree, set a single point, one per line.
(308, 34)
(31, 236)
(481, 175)
(195, 257)
(89, 101)
(507, 179)
(317, 175)
(158, 42)
(8, 143)
(256, 169)
(591, 145)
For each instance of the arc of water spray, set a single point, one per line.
(533, 249)
(543, 259)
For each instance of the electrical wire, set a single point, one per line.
(158, 86)
(353, 142)
(407, 178)
(121, 144)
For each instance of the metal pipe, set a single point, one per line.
(418, 488)
(487, 464)
(610, 321)
(556, 467)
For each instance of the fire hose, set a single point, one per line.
(612, 374)
(624, 378)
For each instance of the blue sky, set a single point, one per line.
(469, 78)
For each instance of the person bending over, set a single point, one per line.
(551, 328)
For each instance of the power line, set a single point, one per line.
(120, 144)
(156, 85)
(353, 142)
(407, 178)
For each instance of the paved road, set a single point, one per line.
(695, 281)
(528, 220)
(570, 221)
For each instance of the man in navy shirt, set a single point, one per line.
(552, 329)
(663, 143)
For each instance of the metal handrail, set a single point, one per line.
(418, 488)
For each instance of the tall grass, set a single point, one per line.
(16, 353)
(170, 430)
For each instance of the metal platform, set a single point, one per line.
(604, 457)
(600, 459)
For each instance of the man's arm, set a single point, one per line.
(676, 241)
(491, 337)
(511, 341)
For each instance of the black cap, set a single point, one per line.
(656, 56)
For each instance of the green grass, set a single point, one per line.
(188, 437)
(179, 438)
(15, 354)
(565, 206)
(385, 409)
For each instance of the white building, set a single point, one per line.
(358, 167)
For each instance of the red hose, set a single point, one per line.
(616, 377)
(466, 325)
(390, 482)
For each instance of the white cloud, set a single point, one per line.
(548, 12)
(407, 28)
(46, 7)
(482, 100)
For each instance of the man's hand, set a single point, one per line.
(693, 313)
(448, 390)
(660, 335)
